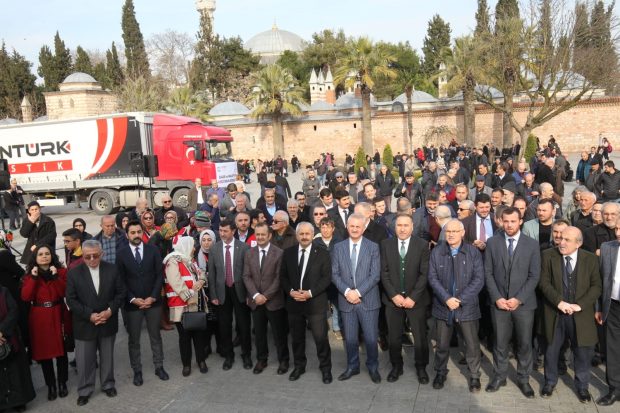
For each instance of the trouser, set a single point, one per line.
(582, 355)
(351, 321)
(388, 203)
(14, 217)
(318, 327)
(62, 366)
(186, 338)
(261, 317)
(417, 323)
(225, 320)
(504, 322)
(613, 346)
(469, 332)
(134, 327)
(336, 317)
(485, 332)
(86, 359)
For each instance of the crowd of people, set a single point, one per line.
(478, 250)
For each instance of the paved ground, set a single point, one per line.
(238, 390)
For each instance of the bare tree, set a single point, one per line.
(170, 53)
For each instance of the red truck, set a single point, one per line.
(107, 160)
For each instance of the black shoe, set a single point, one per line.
(161, 373)
(422, 375)
(609, 399)
(62, 390)
(584, 396)
(375, 376)
(137, 378)
(202, 366)
(247, 362)
(187, 370)
(394, 374)
(474, 385)
(283, 368)
(327, 377)
(348, 373)
(547, 391)
(440, 379)
(236, 341)
(260, 366)
(494, 385)
(228, 363)
(19, 409)
(527, 390)
(110, 392)
(462, 361)
(296, 373)
(82, 400)
(51, 393)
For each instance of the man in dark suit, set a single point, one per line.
(197, 195)
(340, 214)
(512, 271)
(271, 205)
(356, 272)
(571, 284)
(595, 236)
(404, 265)
(480, 226)
(503, 175)
(227, 292)
(95, 292)
(140, 267)
(261, 276)
(304, 276)
(608, 315)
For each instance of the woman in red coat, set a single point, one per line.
(44, 287)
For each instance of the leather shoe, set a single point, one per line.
(111, 392)
(161, 373)
(187, 370)
(62, 390)
(422, 375)
(375, 376)
(348, 373)
(247, 362)
(394, 374)
(296, 373)
(260, 366)
(228, 363)
(474, 385)
(440, 379)
(137, 378)
(82, 400)
(327, 377)
(547, 391)
(51, 393)
(609, 399)
(527, 390)
(283, 368)
(584, 396)
(202, 366)
(494, 385)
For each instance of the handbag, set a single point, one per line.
(5, 350)
(196, 320)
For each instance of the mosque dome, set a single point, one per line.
(350, 101)
(270, 44)
(79, 77)
(79, 81)
(229, 108)
(417, 96)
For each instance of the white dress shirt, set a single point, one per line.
(305, 265)
(94, 274)
(357, 259)
(488, 227)
(515, 242)
(615, 285)
(260, 261)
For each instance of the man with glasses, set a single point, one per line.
(466, 209)
(595, 236)
(283, 235)
(318, 212)
(160, 213)
(95, 292)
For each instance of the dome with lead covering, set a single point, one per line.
(417, 96)
(270, 44)
(229, 108)
(79, 77)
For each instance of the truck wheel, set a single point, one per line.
(102, 203)
(180, 198)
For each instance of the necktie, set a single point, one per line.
(138, 257)
(354, 262)
(228, 265)
(262, 259)
(346, 215)
(483, 231)
(569, 267)
(300, 267)
(403, 251)
(510, 247)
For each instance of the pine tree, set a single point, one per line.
(204, 73)
(46, 69)
(482, 19)
(100, 73)
(82, 62)
(16, 81)
(54, 67)
(114, 71)
(135, 51)
(506, 9)
(437, 38)
(62, 58)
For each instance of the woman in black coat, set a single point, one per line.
(385, 185)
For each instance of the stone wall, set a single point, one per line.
(79, 103)
(575, 130)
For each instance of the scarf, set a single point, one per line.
(202, 254)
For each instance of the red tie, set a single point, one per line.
(483, 231)
(228, 263)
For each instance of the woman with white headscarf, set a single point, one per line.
(183, 285)
(206, 239)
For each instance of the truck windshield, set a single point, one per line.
(219, 151)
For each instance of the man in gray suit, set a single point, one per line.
(356, 273)
(228, 293)
(512, 271)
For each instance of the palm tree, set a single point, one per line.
(408, 78)
(461, 70)
(276, 94)
(183, 102)
(363, 63)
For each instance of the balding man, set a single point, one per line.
(372, 231)
(546, 192)
(595, 236)
(443, 214)
(571, 284)
(466, 209)
(111, 238)
(141, 205)
(456, 276)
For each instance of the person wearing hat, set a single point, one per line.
(39, 229)
(338, 181)
(480, 187)
(409, 188)
(509, 193)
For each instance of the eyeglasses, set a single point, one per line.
(318, 213)
(275, 221)
(91, 256)
(166, 202)
(463, 209)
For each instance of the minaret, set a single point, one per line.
(321, 81)
(206, 6)
(314, 87)
(26, 110)
(330, 91)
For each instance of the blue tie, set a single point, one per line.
(354, 261)
(510, 248)
(138, 257)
